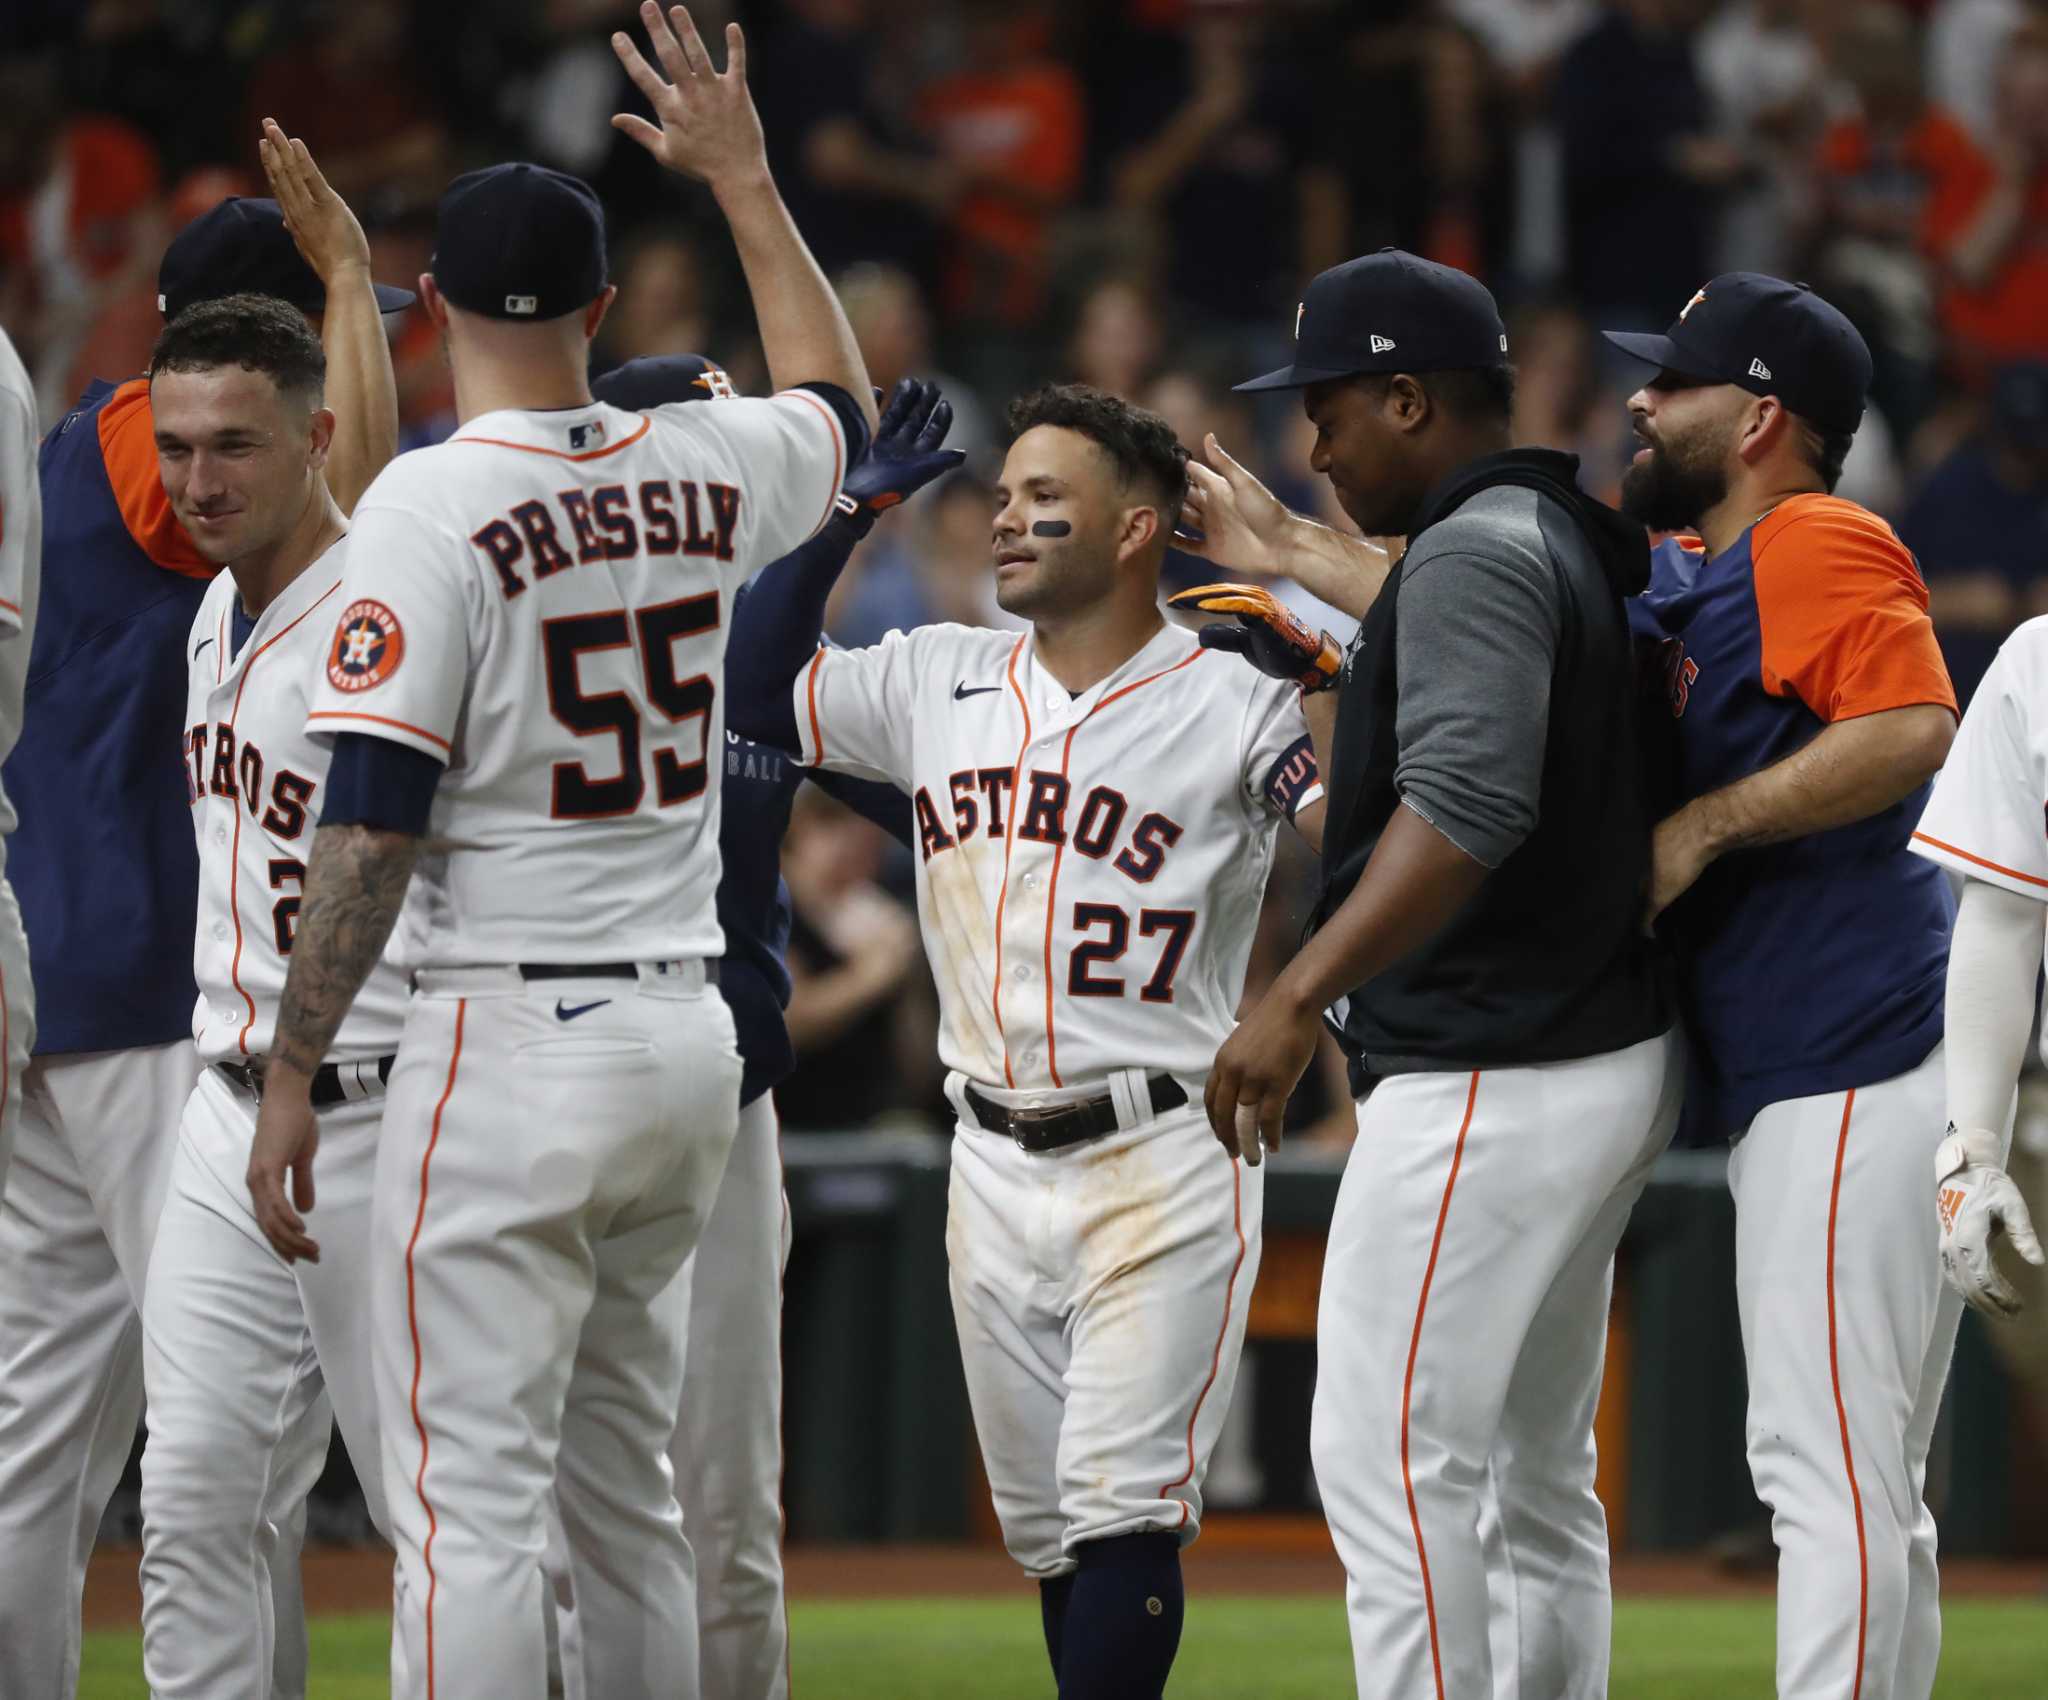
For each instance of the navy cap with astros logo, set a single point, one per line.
(519, 242)
(1769, 337)
(242, 247)
(1390, 312)
(654, 380)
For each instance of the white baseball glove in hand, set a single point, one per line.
(1978, 1204)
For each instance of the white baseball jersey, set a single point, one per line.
(21, 551)
(254, 778)
(1988, 815)
(1090, 867)
(541, 603)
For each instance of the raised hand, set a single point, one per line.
(327, 234)
(1230, 518)
(708, 128)
(907, 453)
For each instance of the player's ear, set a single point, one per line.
(1405, 405)
(593, 315)
(320, 432)
(1141, 528)
(434, 302)
(1764, 424)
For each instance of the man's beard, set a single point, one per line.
(1679, 483)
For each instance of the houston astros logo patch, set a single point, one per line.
(368, 647)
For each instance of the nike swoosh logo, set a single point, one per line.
(961, 691)
(564, 1013)
(203, 642)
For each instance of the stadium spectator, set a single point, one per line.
(1398, 83)
(1979, 527)
(1560, 402)
(1899, 182)
(859, 181)
(1965, 41)
(1764, 76)
(1524, 40)
(352, 91)
(1997, 306)
(853, 954)
(1205, 128)
(892, 324)
(1009, 122)
(1644, 167)
(1118, 337)
(80, 220)
(664, 304)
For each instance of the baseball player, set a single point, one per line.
(21, 571)
(1984, 822)
(1480, 949)
(727, 1451)
(1095, 803)
(523, 694)
(105, 870)
(1811, 709)
(242, 1353)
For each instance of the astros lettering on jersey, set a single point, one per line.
(254, 778)
(1090, 867)
(541, 604)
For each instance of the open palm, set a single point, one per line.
(707, 127)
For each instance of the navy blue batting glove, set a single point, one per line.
(905, 456)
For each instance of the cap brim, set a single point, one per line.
(1291, 378)
(390, 300)
(1660, 351)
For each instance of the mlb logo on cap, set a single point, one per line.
(519, 242)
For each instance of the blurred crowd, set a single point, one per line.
(1131, 193)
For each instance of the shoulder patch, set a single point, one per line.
(368, 646)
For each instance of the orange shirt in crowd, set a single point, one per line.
(1020, 129)
(2007, 319)
(110, 174)
(1933, 171)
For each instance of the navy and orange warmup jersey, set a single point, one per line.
(103, 863)
(1815, 965)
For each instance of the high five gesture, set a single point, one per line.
(707, 127)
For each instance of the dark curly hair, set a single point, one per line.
(1140, 443)
(256, 332)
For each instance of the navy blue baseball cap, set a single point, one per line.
(241, 247)
(654, 380)
(1769, 337)
(1390, 312)
(2019, 402)
(519, 242)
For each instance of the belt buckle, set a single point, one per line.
(1024, 1121)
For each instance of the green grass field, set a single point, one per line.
(1235, 1649)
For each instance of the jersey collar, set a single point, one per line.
(322, 575)
(1165, 648)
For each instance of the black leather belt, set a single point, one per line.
(1048, 1127)
(597, 971)
(327, 1079)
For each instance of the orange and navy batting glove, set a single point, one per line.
(1266, 634)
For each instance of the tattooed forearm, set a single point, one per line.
(355, 883)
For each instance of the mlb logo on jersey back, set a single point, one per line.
(586, 436)
(368, 647)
